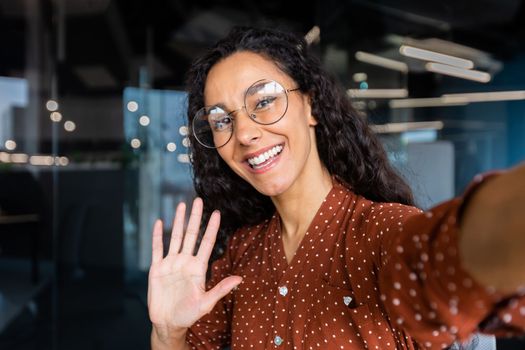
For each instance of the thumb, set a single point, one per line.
(219, 291)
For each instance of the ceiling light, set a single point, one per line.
(377, 93)
(52, 105)
(409, 126)
(132, 106)
(55, 116)
(490, 96)
(144, 120)
(10, 145)
(427, 102)
(427, 55)
(171, 147)
(70, 126)
(135, 143)
(19, 158)
(475, 75)
(381, 61)
(359, 77)
(313, 35)
(5, 157)
(63, 161)
(183, 158)
(42, 160)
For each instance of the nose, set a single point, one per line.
(245, 130)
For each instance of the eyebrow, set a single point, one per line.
(250, 91)
(255, 87)
(220, 105)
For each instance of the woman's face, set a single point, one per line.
(290, 142)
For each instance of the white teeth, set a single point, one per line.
(254, 161)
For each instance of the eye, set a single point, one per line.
(221, 124)
(264, 103)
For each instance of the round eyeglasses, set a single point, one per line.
(265, 102)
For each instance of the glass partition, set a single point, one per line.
(94, 141)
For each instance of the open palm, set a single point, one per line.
(177, 295)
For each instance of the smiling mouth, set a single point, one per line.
(265, 158)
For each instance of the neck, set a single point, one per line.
(299, 204)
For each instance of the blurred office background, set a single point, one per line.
(93, 142)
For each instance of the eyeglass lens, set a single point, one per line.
(266, 102)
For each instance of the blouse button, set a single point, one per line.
(278, 340)
(283, 291)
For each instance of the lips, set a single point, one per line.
(264, 159)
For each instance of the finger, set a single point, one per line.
(156, 243)
(178, 229)
(218, 292)
(192, 231)
(208, 240)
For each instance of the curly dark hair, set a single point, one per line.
(347, 147)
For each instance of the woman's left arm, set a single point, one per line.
(457, 268)
(492, 232)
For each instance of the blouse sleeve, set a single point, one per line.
(212, 331)
(424, 287)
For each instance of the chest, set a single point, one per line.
(328, 283)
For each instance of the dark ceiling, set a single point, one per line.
(105, 42)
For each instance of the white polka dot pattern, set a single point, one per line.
(366, 276)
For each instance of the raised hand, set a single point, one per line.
(177, 295)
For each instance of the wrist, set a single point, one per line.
(168, 335)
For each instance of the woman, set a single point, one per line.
(324, 249)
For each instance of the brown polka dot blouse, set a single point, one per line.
(366, 276)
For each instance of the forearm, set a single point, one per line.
(162, 339)
(492, 242)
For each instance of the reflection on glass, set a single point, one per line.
(13, 96)
(52, 105)
(183, 158)
(10, 145)
(132, 106)
(159, 175)
(20, 158)
(135, 143)
(70, 126)
(171, 147)
(42, 160)
(144, 120)
(55, 117)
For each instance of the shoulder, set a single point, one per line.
(372, 223)
(383, 212)
(376, 212)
